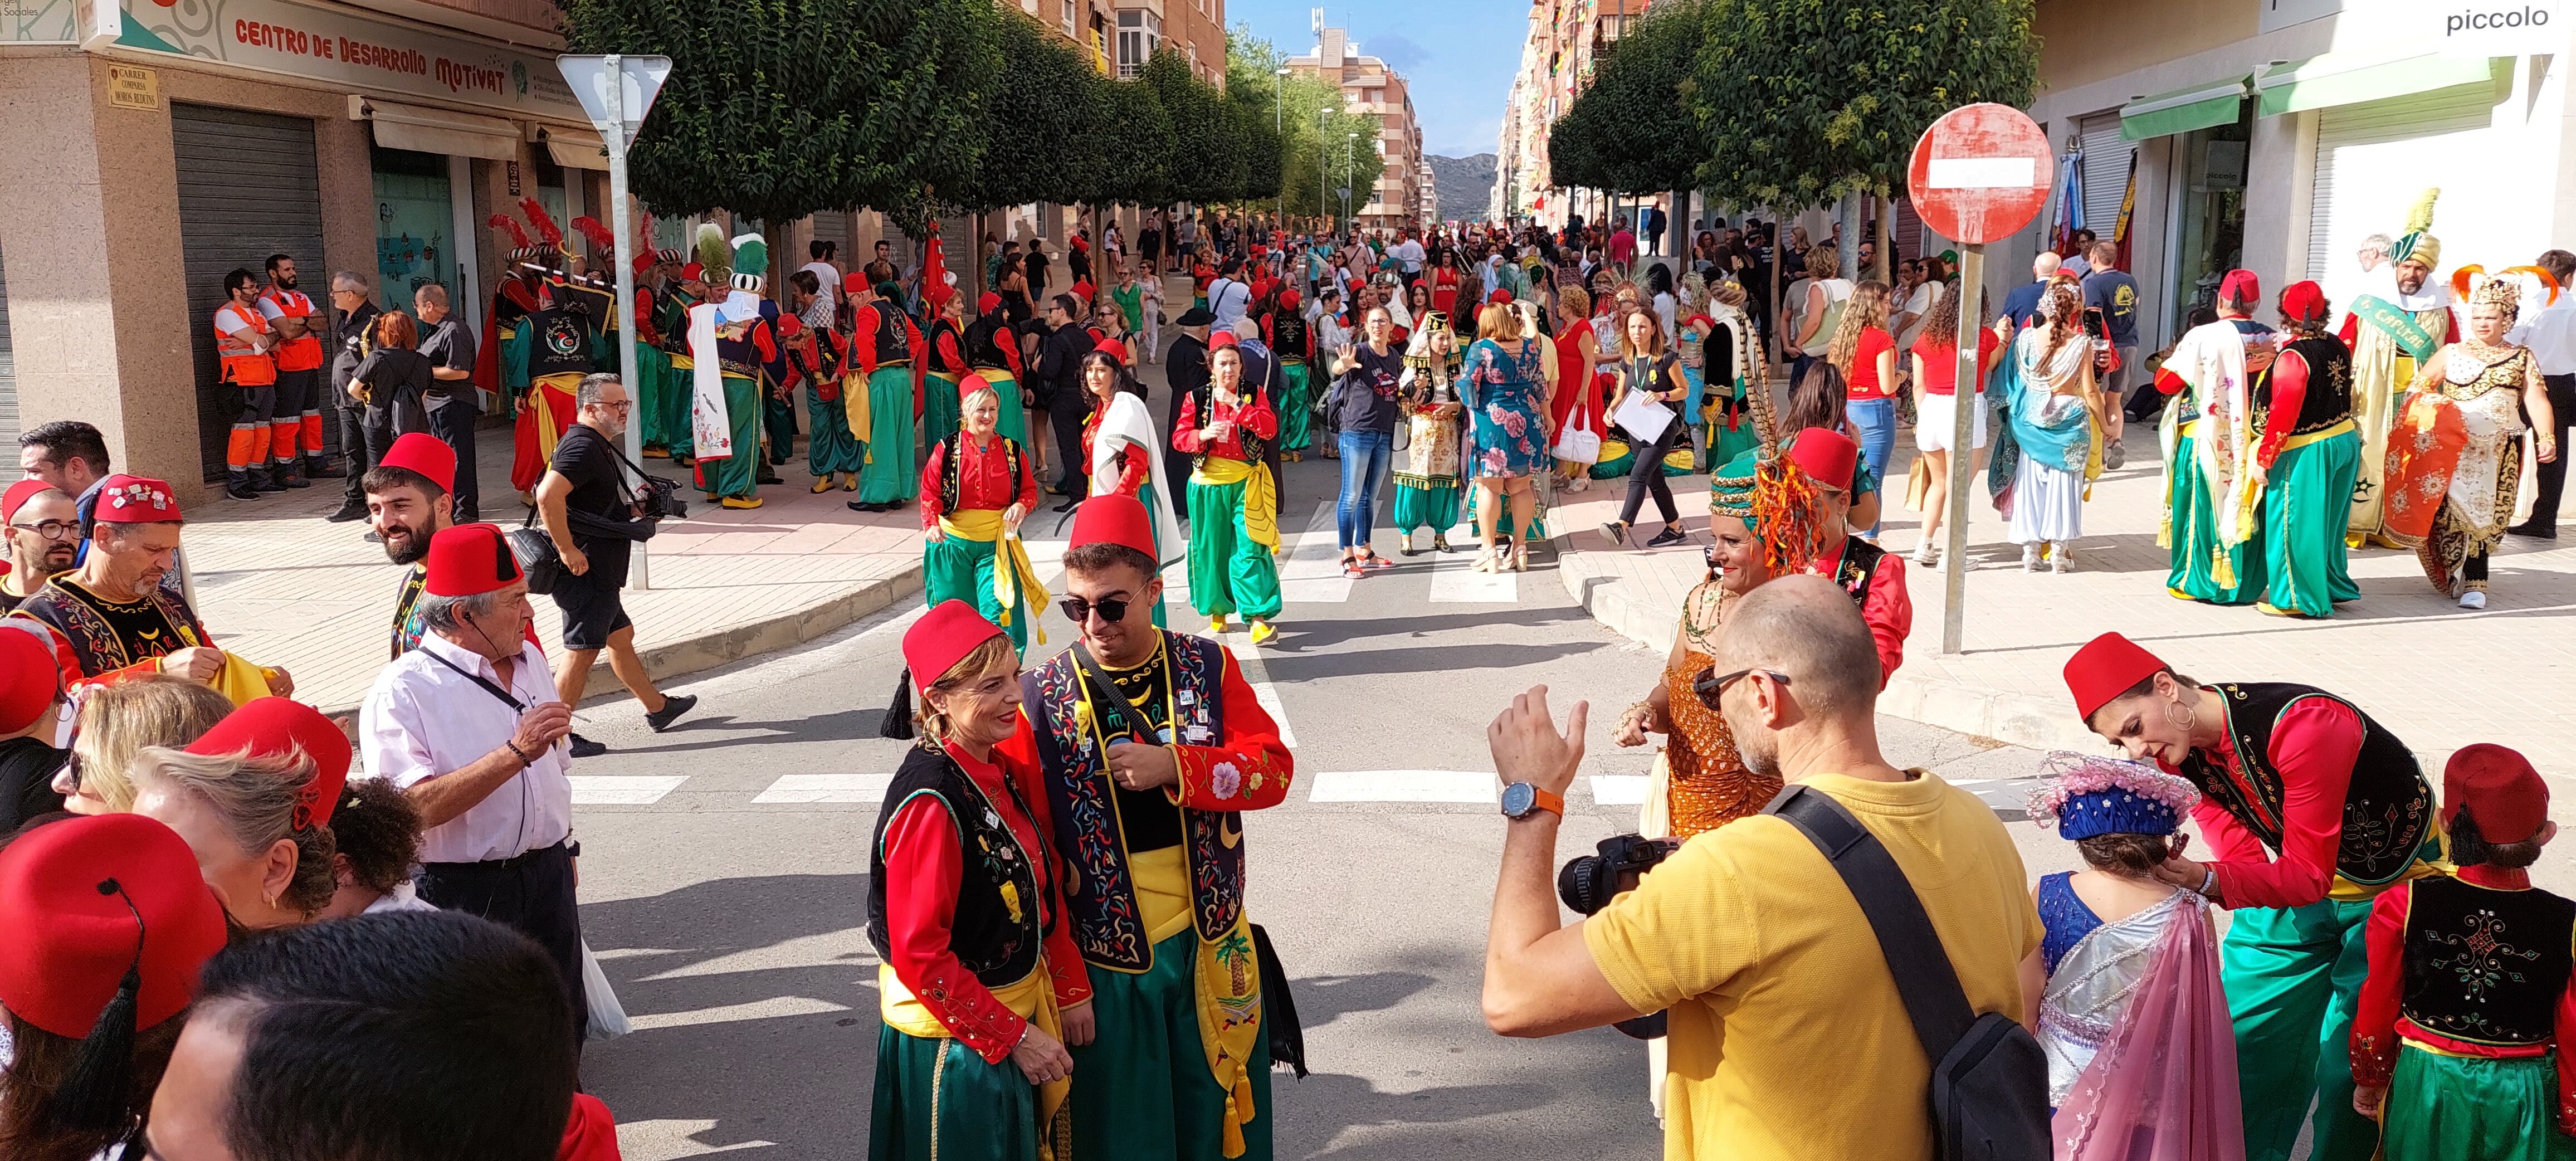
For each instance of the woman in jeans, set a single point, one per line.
(1865, 354)
(1366, 375)
(1646, 366)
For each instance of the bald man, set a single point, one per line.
(1746, 936)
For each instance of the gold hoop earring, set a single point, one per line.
(2191, 716)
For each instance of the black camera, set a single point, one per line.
(661, 500)
(1587, 882)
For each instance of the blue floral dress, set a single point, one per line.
(1507, 393)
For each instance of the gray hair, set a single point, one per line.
(2379, 242)
(592, 385)
(448, 613)
(350, 279)
(431, 293)
(256, 797)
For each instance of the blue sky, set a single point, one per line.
(1458, 55)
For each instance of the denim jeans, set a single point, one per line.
(1365, 455)
(1874, 427)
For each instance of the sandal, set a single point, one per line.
(1369, 559)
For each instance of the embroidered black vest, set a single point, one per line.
(740, 356)
(2388, 807)
(1100, 895)
(983, 343)
(997, 930)
(2485, 965)
(1860, 561)
(1288, 336)
(930, 346)
(893, 349)
(2329, 394)
(951, 461)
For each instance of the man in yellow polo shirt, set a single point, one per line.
(1787, 1038)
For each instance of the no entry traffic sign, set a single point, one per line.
(1980, 173)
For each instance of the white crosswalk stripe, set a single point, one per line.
(1619, 789)
(622, 789)
(806, 788)
(1455, 581)
(1403, 786)
(1312, 571)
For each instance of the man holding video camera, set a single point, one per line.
(1789, 1037)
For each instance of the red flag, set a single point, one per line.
(2128, 209)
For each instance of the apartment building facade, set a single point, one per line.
(1389, 193)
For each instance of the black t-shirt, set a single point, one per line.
(27, 768)
(353, 328)
(1147, 817)
(1368, 390)
(397, 387)
(584, 457)
(450, 346)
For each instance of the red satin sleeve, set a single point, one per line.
(1134, 471)
(1248, 769)
(1889, 610)
(2374, 1025)
(2313, 747)
(864, 342)
(912, 346)
(923, 869)
(765, 340)
(2168, 382)
(1187, 435)
(2351, 330)
(950, 358)
(2289, 392)
(1263, 421)
(934, 464)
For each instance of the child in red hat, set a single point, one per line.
(2457, 1048)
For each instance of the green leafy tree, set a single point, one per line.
(1035, 126)
(1638, 133)
(1198, 126)
(1803, 101)
(1300, 115)
(777, 109)
(1133, 147)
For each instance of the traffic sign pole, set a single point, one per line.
(1963, 433)
(613, 134)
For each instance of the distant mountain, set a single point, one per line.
(1465, 185)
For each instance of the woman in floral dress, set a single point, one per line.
(1507, 391)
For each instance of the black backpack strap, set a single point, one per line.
(1927, 983)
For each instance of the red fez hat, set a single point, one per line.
(2303, 302)
(1500, 297)
(17, 496)
(790, 326)
(693, 273)
(2106, 667)
(645, 262)
(989, 303)
(1221, 340)
(2498, 787)
(274, 727)
(136, 500)
(1113, 518)
(1082, 290)
(854, 282)
(590, 1134)
(942, 638)
(426, 455)
(1288, 299)
(71, 893)
(469, 560)
(1114, 349)
(29, 680)
(1825, 455)
(971, 384)
(2240, 286)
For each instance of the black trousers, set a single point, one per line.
(363, 453)
(453, 424)
(1067, 409)
(2552, 476)
(531, 894)
(1646, 477)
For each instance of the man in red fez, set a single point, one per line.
(111, 617)
(469, 725)
(42, 526)
(30, 688)
(1151, 744)
(409, 501)
(1874, 577)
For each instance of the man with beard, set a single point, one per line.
(2396, 324)
(409, 499)
(1746, 937)
(295, 426)
(356, 311)
(590, 514)
(110, 617)
(43, 537)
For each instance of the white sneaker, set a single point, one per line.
(2030, 557)
(1926, 555)
(2473, 599)
(2063, 559)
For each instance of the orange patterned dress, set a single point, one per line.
(1707, 783)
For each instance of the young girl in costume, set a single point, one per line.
(2123, 992)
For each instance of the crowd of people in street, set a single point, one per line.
(243, 930)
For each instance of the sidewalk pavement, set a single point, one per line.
(2439, 676)
(277, 584)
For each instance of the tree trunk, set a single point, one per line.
(1679, 229)
(1886, 251)
(1847, 234)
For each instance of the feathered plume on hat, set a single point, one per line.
(750, 262)
(2504, 289)
(715, 255)
(518, 233)
(547, 231)
(603, 241)
(2418, 243)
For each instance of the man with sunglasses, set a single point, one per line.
(43, 538)
(1151, 744)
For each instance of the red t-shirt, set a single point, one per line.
(1941, 363)
(1874, 342)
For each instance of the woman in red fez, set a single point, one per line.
(975, 490)
(2310, 453)
(2312, 809)
(254, 799)
(1121, 445)
(993, 351)
(979, 982)
(1234, 530)
(107, 927)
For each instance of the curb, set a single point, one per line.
(725, 646)
(2011, 718)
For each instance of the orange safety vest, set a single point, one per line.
(244, 365)
(299, 354)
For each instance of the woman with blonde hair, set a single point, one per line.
(1821, 314)
(1866, 355)
(117, 722)
(1578, 350)
(1506, 390)
(254, 799)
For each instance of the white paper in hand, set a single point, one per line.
(1641, 416)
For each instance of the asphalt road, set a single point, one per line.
(724, 869)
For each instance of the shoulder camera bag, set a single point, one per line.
(1989, 1096)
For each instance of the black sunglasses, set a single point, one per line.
(1111, 609)
(1710, 684)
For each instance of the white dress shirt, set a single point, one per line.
(2551, 335)
(423, 720)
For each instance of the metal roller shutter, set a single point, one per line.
(2106, 172)
(248, 188)
(833, 227)
(9, 425)
(2374, 159)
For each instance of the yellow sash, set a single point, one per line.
(242, 682)
(1033, 998)
(854, 403)
(2314, 436)
(1228, 983)
(1013, 573)
(1260, 497)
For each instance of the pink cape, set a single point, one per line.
(2163, 1087)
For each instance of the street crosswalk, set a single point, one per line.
(1332, 786)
